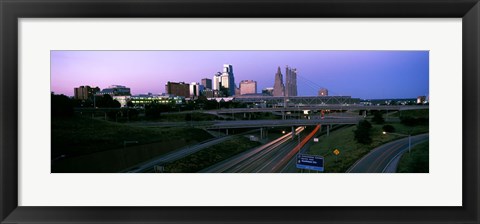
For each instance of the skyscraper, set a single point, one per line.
(224, 82)
(290, 82)
(207, 83)
(217, 81)
(228, 80)
(195, 89)
(278, 87)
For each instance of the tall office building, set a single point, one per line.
(217, 81)
(290, 82)
(278, 87)
(248, 87)
(195, 89)
(207, 83)
(178, 89)
(84, 92)
(228, 80)
(224, 80)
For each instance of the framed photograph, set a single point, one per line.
(247, 112)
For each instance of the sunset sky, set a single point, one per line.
(360, 74)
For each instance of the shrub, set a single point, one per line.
(388, 128)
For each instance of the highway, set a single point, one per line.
(252, 123)
(291, 165)
(279, 109)
(281, 123)
(170, 124)
(321, 107)
(380, 159)
(254, 160)
(175, 155)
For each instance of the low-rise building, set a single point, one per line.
(267, 91)
(178, 89)
(145, 99)
(84, 92)
(421, 100)
(248, 87)
(115, 90)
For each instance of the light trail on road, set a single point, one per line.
(269, 158)
(244, 161)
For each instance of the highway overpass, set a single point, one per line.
(322, 107)
(282, 123)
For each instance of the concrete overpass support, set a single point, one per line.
(293, 132)
(328, 130)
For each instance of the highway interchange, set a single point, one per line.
(278, 155)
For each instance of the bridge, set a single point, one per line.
(282, 123)
(322, 107)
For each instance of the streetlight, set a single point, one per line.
(399, 134)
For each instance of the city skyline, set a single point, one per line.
(361, 74)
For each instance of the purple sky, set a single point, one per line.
(360, 74)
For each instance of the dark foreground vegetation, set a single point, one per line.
(354, 142)
(416, 161)
(210, 156)
(91, 145)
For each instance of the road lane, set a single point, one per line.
(244, 160)
(378, 160)
(178, 154)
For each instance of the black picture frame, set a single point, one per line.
(12, 10)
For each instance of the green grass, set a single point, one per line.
(92, 145)
(350, 150)
(415, 162)
(210, 156)
(411, 113)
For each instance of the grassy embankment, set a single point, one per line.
(415, 162)
(351, 151)
(210, 156)
(91, 145)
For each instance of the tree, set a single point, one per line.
(106, 101)
(154, 110)
(362, 133)
(413, 121)
(377, 117)
(62, 106)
